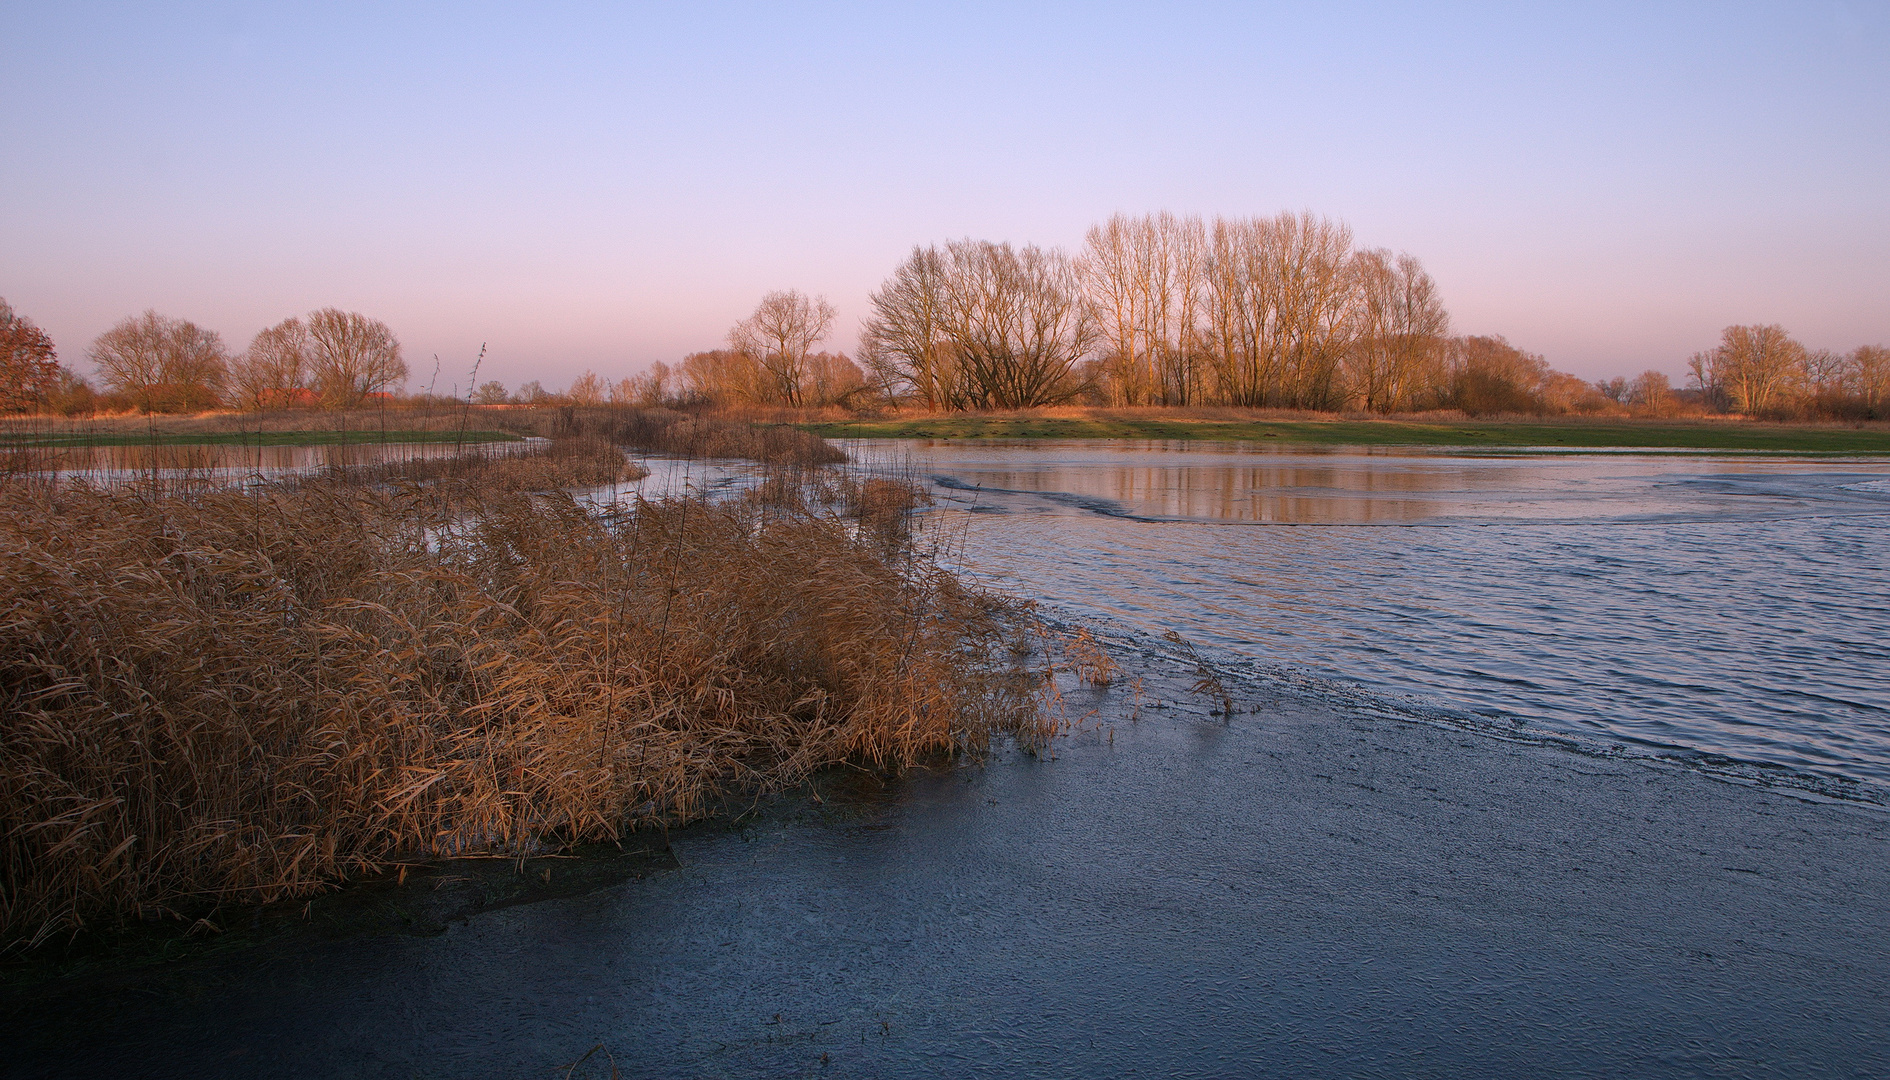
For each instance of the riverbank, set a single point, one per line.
(1306, 884)
(1226, 425)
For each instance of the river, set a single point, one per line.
(1724, 606)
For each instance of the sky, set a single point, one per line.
(602, 186)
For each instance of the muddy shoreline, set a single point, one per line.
(1298, 886)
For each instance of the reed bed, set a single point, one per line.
(570, 461)
(243, 695)
(696, 435)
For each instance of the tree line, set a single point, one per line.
(152, 363)
(1161, 309)
(1763, 371)
(1282, 312)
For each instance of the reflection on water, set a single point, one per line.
(226, 462)
(1734, 606)
(1229, 483)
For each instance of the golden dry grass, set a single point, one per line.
(694, 435)
(228, 696)
(570, 461)
(1090, 662)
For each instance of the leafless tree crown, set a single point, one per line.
(352, 356)
(274, 371)
(780, 335)
(162, 363)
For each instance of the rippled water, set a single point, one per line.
(1732, 606)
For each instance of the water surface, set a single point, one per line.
(223, 463)
(1724, 605)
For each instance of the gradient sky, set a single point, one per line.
(603, 186)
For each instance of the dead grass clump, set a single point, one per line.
(883, 507)
(1087, 658)
(240, 696)
(569, 462)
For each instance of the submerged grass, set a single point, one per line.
(1230, 425)
(213, 696)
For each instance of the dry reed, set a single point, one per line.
(565, 462)
(239, 696)
(1091, 663)
(694, 435)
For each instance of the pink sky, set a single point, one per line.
(585, 187)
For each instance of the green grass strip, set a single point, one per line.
(1708, 435)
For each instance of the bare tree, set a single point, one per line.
(1142, 280)
(162, 364)
(274, 370)
(1702, 368)
(586, 389)
(1275, 311)
(1827, 377)
(1016, 321)
(29, 367)
(1757, 365)
(352, 356)
(1869, 371)
(904, 342)
(490, 393)
(1650, 393)
(779, 335)
(1113, 277)
(651, 388)
(1279, 309)
(1399, 337)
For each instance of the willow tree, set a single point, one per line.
(981, 325)
(1016, 322)
(162, 364)
(274, 370)
(352, 356)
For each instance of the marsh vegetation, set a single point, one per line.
(226, 695)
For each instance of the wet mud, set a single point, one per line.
(1299, 886)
